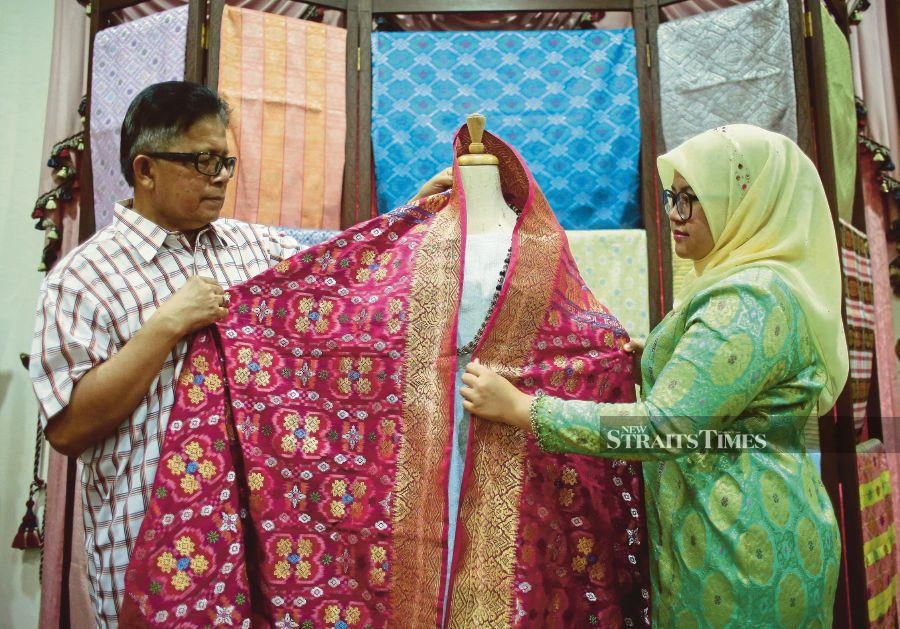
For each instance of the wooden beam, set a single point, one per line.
(195, 53)
(350, 193)
(365, 170)
(106, 6)
(214, 43)
(796, 15)
(86, 222)
(508, 6)
(664, 234)
(655, 225)
(340, 5)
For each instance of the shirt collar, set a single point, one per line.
(147, 237)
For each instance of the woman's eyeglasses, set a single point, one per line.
(208, 164)
(683, 202)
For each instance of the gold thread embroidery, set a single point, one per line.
(418, 515)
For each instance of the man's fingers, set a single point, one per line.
(467, 392)
(469, 378)
(468, 406)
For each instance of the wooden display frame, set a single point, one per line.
(201, 65)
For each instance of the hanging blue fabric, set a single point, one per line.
(567, 100)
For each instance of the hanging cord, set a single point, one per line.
(30, 534)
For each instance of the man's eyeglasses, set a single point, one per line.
(683, 202)
(208, 164)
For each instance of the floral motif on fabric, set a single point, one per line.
(375, 266)
(190, 467)
(255, 367)
(198, 381)
(314, 316)
(182, 563)
(354, 376)
(299, 435)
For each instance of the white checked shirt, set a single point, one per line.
(91, 304)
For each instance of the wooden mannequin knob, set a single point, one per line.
(476, 156)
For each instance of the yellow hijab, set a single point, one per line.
(766, 208)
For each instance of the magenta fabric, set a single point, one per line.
(303, 477)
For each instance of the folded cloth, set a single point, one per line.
(127, 58)
(569, 100)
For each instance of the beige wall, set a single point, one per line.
(26, 33)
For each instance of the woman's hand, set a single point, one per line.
(440, 182)
(492, 397)
(635, 347)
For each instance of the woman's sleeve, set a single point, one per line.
(736, 342)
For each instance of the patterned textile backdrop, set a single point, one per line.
(728, 66)
(860, 304)
(879, 533)
(309, 237)
(285, 81)
(613, 264)
(842, 110)
(128, 58)
(568, 101)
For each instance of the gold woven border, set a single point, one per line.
(418, 512)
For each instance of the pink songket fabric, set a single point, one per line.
(303, 481)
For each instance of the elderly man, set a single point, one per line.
(115, 314)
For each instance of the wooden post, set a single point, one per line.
(195, 47)
(214, 44)
(86, 223)
(364, 167)
(350, 194)
(801, 78)
(659, 250)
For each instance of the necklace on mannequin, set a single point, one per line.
(469, 347)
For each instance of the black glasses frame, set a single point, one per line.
(209, 161)
(678, 200)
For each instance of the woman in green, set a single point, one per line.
(755, 347)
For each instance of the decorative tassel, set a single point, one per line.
(878, 157)
(29, 535)
(51, 204)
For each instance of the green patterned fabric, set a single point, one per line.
(842, 112)
(737, 539)
(613, 264)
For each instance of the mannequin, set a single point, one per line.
(489, 227)
(487, 211)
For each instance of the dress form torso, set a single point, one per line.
(486, 209)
